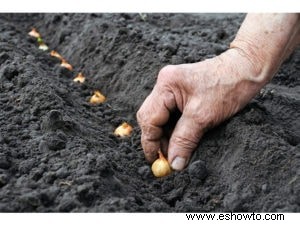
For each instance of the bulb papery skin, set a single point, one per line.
(97, 98)
(124, 130)
(161, 167)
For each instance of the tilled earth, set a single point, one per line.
(58, 152)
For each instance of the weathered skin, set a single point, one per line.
(213, 90)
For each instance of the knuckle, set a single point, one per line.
(151, 133)
(166, 73)
(139, 116)
(142, 119)
(185, 143)
(142, 114)
(208, 118)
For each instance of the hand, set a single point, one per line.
(206, 93)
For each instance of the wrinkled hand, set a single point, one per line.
(206, 93)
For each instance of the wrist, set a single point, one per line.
(254, 59)
(248, 68)
(265, 40)
(240, 77)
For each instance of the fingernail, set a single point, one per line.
(178, 163)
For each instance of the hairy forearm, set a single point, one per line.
(266, 40)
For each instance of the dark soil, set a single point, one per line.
(58, 152)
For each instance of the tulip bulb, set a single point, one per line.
(34, 33)
(67, 65)
(161, 167)
(43, 47)
(56, 54)
(97, 98)
(79, 78)
(123, 130)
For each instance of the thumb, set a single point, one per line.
(183, 141)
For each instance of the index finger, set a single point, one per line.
(152, 115)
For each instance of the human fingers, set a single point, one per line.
(183, 141)
(152, 115)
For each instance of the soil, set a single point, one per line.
(59, 154)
